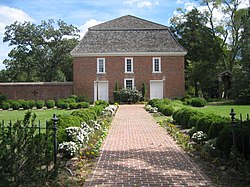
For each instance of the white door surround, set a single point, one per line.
(101, 90)
(156, 89)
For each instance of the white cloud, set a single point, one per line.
(8, 16)
(244, 4)
(141, 3)
(89, 23)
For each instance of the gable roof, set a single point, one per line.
(128, 35)
(128, 23)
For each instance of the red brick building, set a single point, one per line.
(130, 51)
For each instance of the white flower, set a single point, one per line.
(68, 148)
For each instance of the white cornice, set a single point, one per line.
(129, 54)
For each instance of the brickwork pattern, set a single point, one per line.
(84, 69)
(37, 90)
(138, 152)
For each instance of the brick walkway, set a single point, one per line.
(138, 152)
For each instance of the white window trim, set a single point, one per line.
(153, 62)
(97, 63)
(133, 82)
(132, 65)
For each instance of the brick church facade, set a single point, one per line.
(130, 51)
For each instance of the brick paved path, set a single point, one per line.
(138, 152)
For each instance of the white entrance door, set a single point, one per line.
(101, 90)
(156, 89)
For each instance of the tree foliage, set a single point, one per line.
(242, 73)
(214, 45)
(204, 49)
(41, 52)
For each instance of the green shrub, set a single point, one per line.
(50, 103)
(25, 155)
(83, 105)
(98, 109)
(92, 114)
(127, 96)
(32, 103)
(62, 104)
(211, 124)
(59, 103)
(15, 105)
(101, 102)
(204, 123)
(69, 100)
(82, 98)
(23, 104)
(40, 104)
(73, 105)
(167, 110)
(5, 105)
(85, 114)
(3, 98)
(183, 115)
(74, 97)
(198, 102)
(159, 102)
(193, 119)
(65, 105)
(218, 123)
(192, 131)
(225, 140)
(65, 121)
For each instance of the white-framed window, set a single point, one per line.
(100, 65)
(156, 65)
(129, 83)
(129, 65)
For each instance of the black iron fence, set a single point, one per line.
(241, 133)
(28, 151)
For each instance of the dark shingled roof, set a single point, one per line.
(127, 34)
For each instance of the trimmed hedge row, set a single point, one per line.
(29, 104)
(195, 101)
(216, 127)
(210, 124)
(163, 106)
(77, 117)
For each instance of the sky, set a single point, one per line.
(85, 13)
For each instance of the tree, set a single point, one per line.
(228, 28)
(41, 52)
(144, 91)
(204, 49)
(241, 88)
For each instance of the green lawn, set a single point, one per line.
(42, 114)
(224, 110)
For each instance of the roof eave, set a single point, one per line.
(74, 54)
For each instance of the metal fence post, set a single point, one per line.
(55, 119)
(232, 114)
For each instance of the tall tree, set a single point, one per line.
(41, 52)
(204, 49)
(242, 74)
(228, 28)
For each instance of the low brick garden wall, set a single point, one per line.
(37, 90)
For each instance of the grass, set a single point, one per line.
(224, 110)
(42, 114)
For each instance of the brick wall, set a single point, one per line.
(36, 91)
(172, 67)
